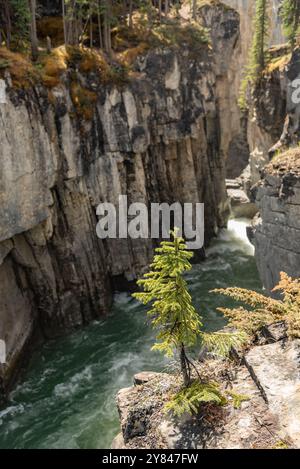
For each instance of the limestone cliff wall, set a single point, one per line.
(156, 139)
(277, 230)
(239, 136)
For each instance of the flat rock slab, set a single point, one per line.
(145, 424)
(276, 370)
(249, 427)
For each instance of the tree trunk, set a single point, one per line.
(71, 23)
(166, 7)
(33, 31)
(49, 45)
(107, 31)
(296, 24)
(7, 23)
(100, 25)
(91, 25)
(194, 12)
(130, 14)
(184, 367)
(159, 9)
(64, 21)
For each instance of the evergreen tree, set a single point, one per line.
(33, 30)
(257, 57)
(172, 312)
(259, 46)
(290, 14)
(20, 19)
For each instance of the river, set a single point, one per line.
(67, 397)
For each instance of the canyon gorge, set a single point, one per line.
(172, 132)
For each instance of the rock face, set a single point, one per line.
(276, 369)
(276, 230)
(248, 138)
(145, 424)
(277, 194)
(268, 378)
(240, 205)
(155, 139)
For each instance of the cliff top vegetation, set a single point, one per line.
(99, 36)
(285, 162)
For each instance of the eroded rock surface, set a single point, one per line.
(145, 424)
(277, 229)
(276, 368)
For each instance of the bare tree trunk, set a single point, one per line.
(130, 14)
(64, 21)
(91, 25)
(71, 24)
(49, 45)
(194, 9)
(166, 7)
(159, 9)
(108, 29)
(7, 23)
(107, 22)
(33, 31)
(100, 25)
(296, 25)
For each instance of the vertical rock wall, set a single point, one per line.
(156, 139)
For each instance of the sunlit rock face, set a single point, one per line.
(248, 139)
(246, 9)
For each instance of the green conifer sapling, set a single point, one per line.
(172, 311)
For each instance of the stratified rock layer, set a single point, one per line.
(277, 229)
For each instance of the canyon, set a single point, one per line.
(174, 132)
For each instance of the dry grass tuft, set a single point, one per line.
(84, 100)
(54, 65)
(22, 71)
(285, 162)
(279, 63)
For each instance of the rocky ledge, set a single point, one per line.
(269, 380)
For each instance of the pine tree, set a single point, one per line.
(257, 57)
(20, 18)
(172, 311)
(290, 14)
(261, 23)
(33, 30)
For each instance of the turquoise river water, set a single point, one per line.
(67, 397)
